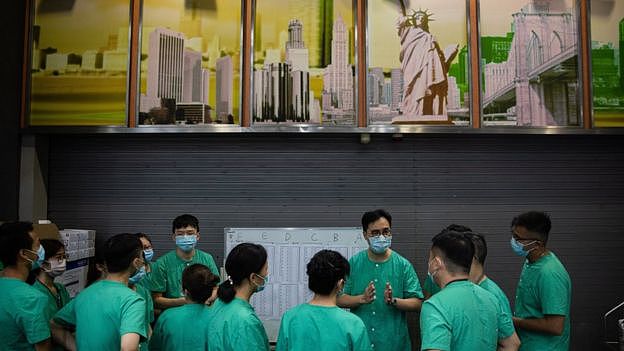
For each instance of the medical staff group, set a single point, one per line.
(179, 302)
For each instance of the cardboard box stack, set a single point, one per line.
(79, 247)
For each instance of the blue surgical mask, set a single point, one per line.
(186, 243)
(136, 278)
(518, 248)
(40, 258)
(259, 288)
(379, 244)
(149, 254)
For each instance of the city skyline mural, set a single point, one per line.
(303, 70)
(79, 62)
(418, 62)
(529, 57)
(190, 62)
(607, 53)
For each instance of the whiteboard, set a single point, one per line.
(289, 250)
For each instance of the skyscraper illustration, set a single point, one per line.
(338, 76)
(225, 74)
(165, 67)
(317, 17)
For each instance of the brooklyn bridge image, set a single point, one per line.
(538, 84)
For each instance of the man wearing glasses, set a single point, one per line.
(542, 309)
(382, 286)
(166, 278)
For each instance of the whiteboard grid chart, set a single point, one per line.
(288, 251)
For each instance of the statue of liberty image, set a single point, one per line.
(424, 65)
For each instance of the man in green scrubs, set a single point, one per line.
(543, 295)
(171, 331)
(382, 286)
(23, 322)
(108, 315)
(462, 316)
(320, 322)
(165, 280)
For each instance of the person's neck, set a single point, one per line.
(244, 292)
(45, 279)
(324, 300)
(446, 278)
(476, 274)
(120, 277)
(537, 253)
(16, 272)
(379, 257)
(187, 256)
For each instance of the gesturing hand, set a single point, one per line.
(388, 294)
(369, 293)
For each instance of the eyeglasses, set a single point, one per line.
(60, 257)
(387, 232)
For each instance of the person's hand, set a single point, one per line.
(369, 294)
(388, 294)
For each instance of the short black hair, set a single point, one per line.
(457, 228)
(183, 221)
(120, 250)
(480, 246)
(14, 236)
(535, 222)
(372, 216)
(456, 249)
(325, 269)
(199, 282)
(51, 247)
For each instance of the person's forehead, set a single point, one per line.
(379, 223)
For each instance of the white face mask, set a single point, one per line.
(56, 267)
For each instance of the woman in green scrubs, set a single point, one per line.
(200, 291)
(53, 266)
(320, 321)
(235, 325)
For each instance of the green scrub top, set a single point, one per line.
(544, 288)
(461, 317)
(430, 286)
(23, 321)
(146, 294)
(166, 276)
(54, 302)
(386, 325)
(489, 285)
(236, 327)
(329, 328)
(102, 313)
(182, 328)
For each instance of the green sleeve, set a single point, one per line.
(250, 337)
(67, 315)
(361, 341)
(554, 294)
(434, 328)
(32, 318)
(505, 325)
(282, 338)
(430, 286)
(412, 285)
(348, 287)
(213, 266)
(133, 317)
(158, 278)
